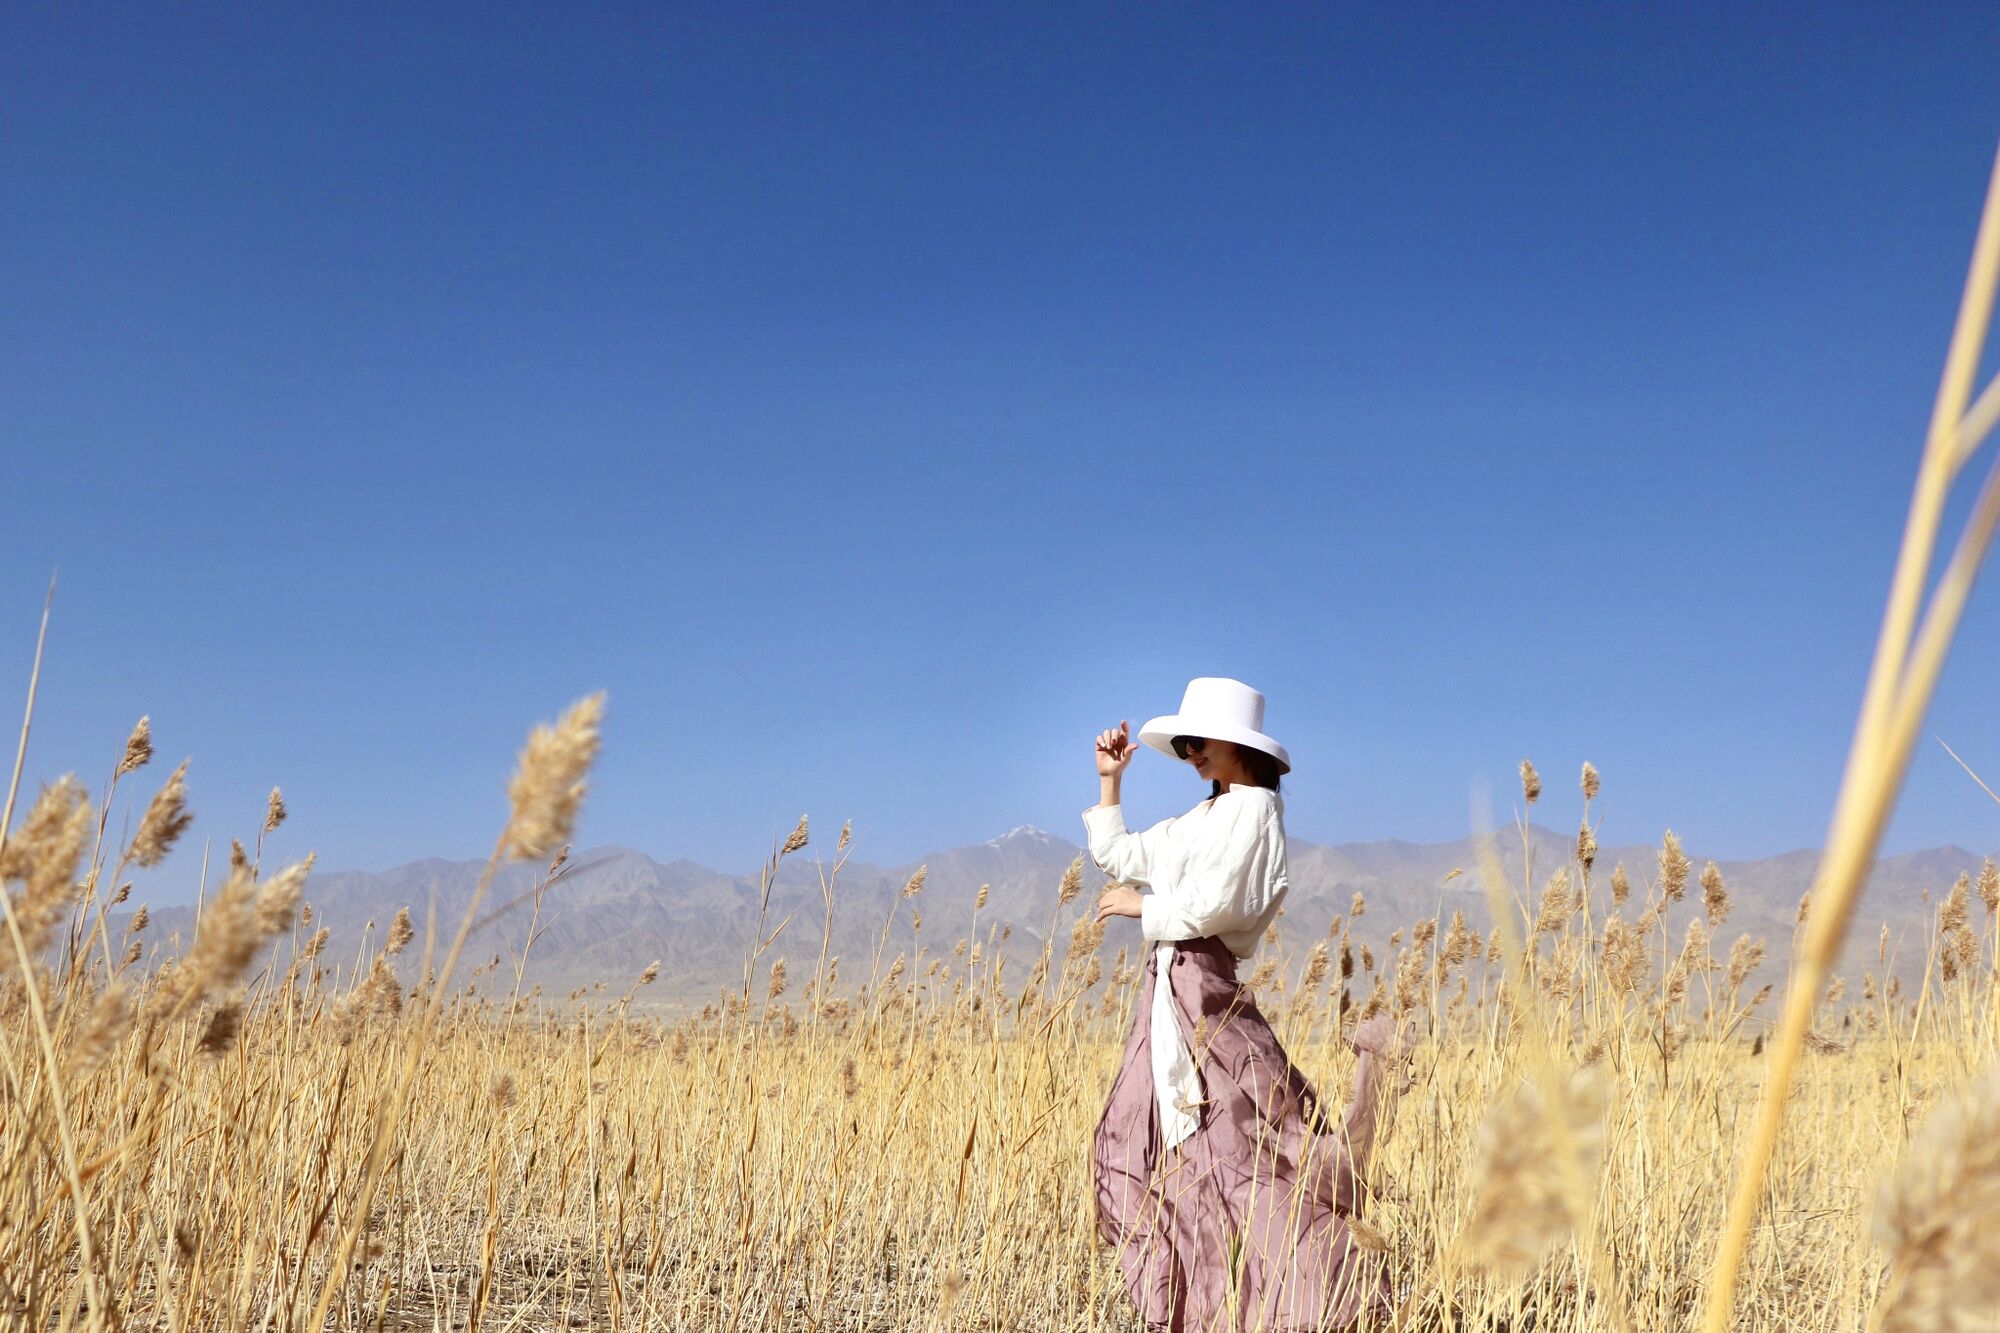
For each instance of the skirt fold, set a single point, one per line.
(1242, 1226)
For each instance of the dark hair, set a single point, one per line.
(1262, 767)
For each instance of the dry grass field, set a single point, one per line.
(259, 1137)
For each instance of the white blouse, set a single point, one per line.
(1217, 870)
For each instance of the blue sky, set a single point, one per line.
(878, 402)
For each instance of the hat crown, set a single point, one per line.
(1222, 701)
(1218, 708)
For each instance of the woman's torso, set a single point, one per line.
(1191, 834)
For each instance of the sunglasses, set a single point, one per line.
(1187, 745)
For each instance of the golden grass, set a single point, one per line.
(298, 1145)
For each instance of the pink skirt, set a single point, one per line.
(1243, 1226)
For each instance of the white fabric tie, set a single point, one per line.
(1176, 1081)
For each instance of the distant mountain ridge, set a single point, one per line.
(615, 910)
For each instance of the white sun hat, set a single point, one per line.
(1220, 709)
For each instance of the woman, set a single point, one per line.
(1220, 1179)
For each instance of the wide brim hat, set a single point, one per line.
(1221, 709)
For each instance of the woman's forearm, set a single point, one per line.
(1107, 789)
(1365, 1109)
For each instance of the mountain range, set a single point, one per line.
(613, 910)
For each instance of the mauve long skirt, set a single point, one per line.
(1243, 1225)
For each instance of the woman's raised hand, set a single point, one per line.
(1115, 750)
(1380, 1035)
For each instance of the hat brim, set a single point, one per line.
(1160, 732)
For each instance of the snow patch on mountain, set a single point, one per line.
(1028, 831)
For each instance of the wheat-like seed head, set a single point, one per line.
(1555, 905)
(138, 748)
(1317, 966)
(915, 885)
(401, 932)
(1459, 941)
(548, 785)
(1409, 981)
(1951, 917)
(777, 986)
(43, 854)
(224, 943)
(1589, 781)
(384, 992)
(652, 973)
(278, 899)
(1072, 882)
(1621, 887)
(1525, 1202)
(1744, 956)
(1625, 961)
(1960, 954)
(1531, 783)
(1714, 894)
(1673, 868)
(979, 900)
(274, 811)
(219, 1033)
(109, 1020)
(166, 818)
(796, 840)
(1586, 846)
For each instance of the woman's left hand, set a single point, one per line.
(1118, 900)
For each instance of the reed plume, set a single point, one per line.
(1674, 867)
(138, 748)
(401, 932)
(1935, 1216)
(1072, 882)
(166, 818)
(548, 785)
(42, 855)
(1522, 1207)
(1714, 894)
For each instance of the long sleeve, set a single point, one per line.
(1125, 856)
(1229, 876)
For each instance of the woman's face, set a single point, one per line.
(1219, 761)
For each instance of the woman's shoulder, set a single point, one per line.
(1248, 801)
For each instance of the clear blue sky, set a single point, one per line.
(878, 403)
